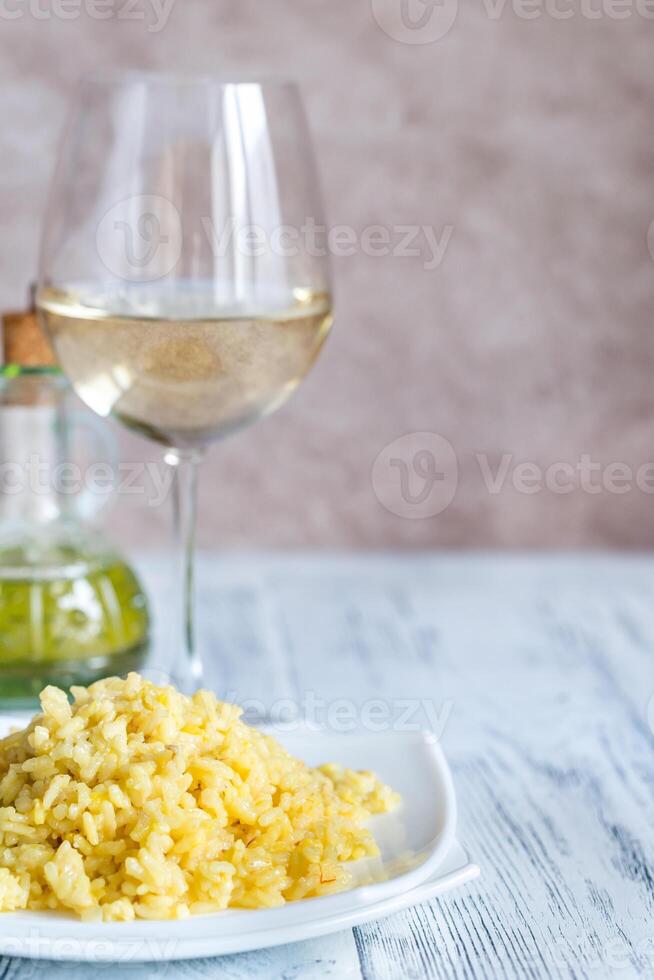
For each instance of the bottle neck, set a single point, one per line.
(34, 450)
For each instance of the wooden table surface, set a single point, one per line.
(538, 672)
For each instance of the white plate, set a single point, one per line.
(414, 842)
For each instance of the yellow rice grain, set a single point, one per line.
(135, 801)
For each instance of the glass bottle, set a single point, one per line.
(71, 608)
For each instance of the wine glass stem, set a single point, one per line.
(187, 664)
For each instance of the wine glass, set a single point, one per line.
(184, 279)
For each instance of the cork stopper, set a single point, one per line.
(24, 342)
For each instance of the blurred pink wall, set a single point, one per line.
(526, 144)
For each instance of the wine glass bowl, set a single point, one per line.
(181, 280)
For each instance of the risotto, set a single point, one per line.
(135, 801)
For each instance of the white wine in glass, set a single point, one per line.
(179, 376)
(177, 284)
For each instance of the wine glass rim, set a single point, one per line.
(145, 76)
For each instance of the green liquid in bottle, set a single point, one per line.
(68, 621)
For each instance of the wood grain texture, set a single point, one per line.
(538, 671)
